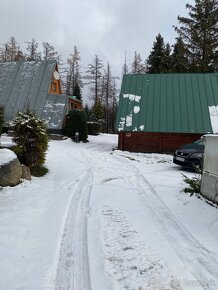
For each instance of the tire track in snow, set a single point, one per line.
(204, 266)
(73, 266)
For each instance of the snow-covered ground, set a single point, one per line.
(104, 219)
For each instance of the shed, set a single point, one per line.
(74, 103)
(36, 84)
(160, 112)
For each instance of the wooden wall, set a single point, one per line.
(154, 142)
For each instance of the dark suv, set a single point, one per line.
(190, 155)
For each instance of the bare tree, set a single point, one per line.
(9, 50)
(74, 78)
(138, 67)
(32, 48)
(49, 52)
(125, 68)
(109, 97)
(94, 77)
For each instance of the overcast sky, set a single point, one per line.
(107, 28)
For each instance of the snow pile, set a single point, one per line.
(6, 141)
(213, 110)
(6, 156)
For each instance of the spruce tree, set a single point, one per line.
(30, 134)
(168, 59)
(157, 58)
(97, 112)
(77, 92)
(199, 32)
(76, 122)
(179, 59)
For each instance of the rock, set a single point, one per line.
(25, 172)
(10, 173)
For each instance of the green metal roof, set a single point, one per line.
(177, 103)
(23, 83)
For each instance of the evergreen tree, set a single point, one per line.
(97, 112)
(94, 77)
(157, 58)
(199, 33)
(77, 92)
(87, 112)
(179, 60)
(30, 134)
(76, 122)
(168, 59)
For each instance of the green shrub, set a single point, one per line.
(40, 171)
(94, 128)
(194, 184)
(76, 122)
(30, 134)
(1, 118)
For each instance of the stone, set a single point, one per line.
(25, 172)
(10, 173)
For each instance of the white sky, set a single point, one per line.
(102, 27)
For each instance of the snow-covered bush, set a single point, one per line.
(30, 134)
(1, 118)
(76, 122)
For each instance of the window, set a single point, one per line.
(53, 86)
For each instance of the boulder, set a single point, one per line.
(10, 168)
(25, 172)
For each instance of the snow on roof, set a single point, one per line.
(6, 156)
(213, 110)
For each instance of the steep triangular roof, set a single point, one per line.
(177, 103)
(27, 83)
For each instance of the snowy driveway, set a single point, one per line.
(103, 219)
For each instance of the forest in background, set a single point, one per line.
(195, 50)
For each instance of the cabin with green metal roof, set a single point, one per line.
(35, 84)
(160, 112)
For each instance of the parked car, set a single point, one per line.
(190, 155)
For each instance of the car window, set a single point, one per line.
(200, 141)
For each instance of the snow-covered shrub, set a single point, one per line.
(76, 122)
(1, 118)
(30, 134)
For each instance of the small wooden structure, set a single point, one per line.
(161, 112)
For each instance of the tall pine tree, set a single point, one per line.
(157, 58)
(199, 32)
(179, 59)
